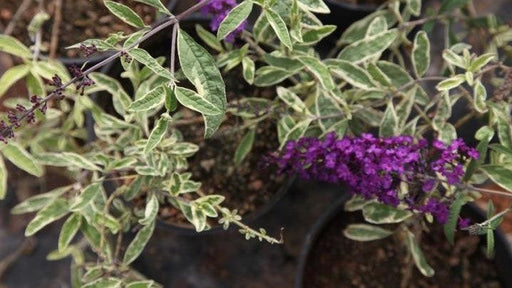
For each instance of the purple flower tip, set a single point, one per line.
(464, 223)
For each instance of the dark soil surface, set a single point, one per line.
(81, 20)
(336, 261)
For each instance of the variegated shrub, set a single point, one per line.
(377, 78)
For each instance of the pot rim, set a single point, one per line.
(501, 241)
(249, 218)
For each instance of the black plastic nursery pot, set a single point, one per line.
(318, 265)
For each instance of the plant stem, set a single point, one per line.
(39, 35)
(56, 28)
(246, 228)
(173, 47)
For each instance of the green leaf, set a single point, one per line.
(389, 124)
(377, 213)
(151, 100)
(501, 149)
(142, 284)
(449, 5)
(184, 149)
(248, 69)
(356, 203)
(500, 175)
(67, 159)
(353, 74)
(447, 133)
(365, 232)
(49, 69)
(319, 69)
(296, 132)
(68, 231)
(368, 48)
(414, 7)
(235, 17)
(138, 243)
(451, 83)
(285, 63)
(244, 147)
(377, 26)
(200, 69)
(484, 134)
(291, 99)
(417, 255)
(480, 62)
(171, 103)
(453, 59)
(143, 57)
(269, 76)
(196, 102)
(13, 46)
(315, 6)
(134, 188)
(490, 243)
(378, 75)
(11, 76)
(279, 26)
(3, 179)
(124, 13)
(151, 211)
(157, 4)
(39, 201)
(208, 38)
(479, 97)
(325, 104)
(504, 131)
(315, 34)
(421, 53)
(358, 29)
(121, 99)
(104, 283)
(108, 221)
(395, 73)
(86, 196)
(35, 85)
(156, 135)
(18, 156)
(453, 217)
(49, 214)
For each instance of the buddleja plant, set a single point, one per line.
(139, 155)
(365, 84)
(416, 170)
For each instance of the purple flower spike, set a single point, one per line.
(374, 167)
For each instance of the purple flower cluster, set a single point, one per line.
(219, 9)
(83, 80)
(375, 167)
(14, 117)
(88, 50)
